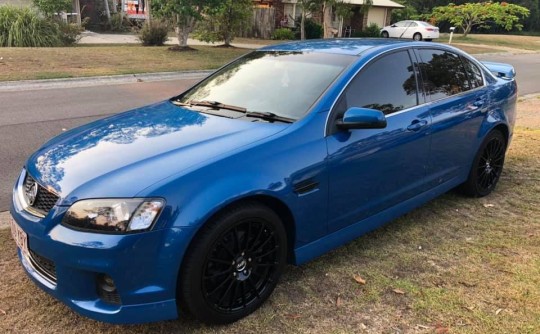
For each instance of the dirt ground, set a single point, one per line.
(455, 265)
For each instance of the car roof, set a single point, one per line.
(345, 46)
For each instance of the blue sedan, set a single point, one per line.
(196, 204)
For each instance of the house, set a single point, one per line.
(379, 13)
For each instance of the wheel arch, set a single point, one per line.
(503, 128)
(275, 204)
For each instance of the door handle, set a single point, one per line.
(417, 125)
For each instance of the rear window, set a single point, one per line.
(474, 73)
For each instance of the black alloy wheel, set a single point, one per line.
(487, 167)
(234, 265)
(385, 34)
(417, 36)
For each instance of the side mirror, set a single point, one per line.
(362, 118)
(393, 26)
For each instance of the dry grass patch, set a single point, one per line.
(518, 42)
(455, 265)
(95, 60)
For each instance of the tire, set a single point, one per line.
(385, 34)
(487, 166)
(417, 37)
(233, 265)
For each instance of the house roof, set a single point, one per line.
(376, 3)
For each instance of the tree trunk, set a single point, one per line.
(78, 10)
(183, 28)
(467, 29)
(107, 11)
(303, 26)
(327, 20)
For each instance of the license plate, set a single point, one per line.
(20, 237)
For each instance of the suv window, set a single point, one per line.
(443, 74)
(387, 84)
(474, 73)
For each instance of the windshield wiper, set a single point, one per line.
(255, 114)
(269, 116)
(216, 105)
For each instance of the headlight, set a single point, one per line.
(113, 215)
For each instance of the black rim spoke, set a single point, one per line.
(490, 165)
(240, 265)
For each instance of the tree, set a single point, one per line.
(470, 15)
(307, 6)
(183, 13)
(51, 7)
(225, 21)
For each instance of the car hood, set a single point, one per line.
(124, 154)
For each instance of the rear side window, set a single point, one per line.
(388, 84)
(443, 74)
(473, 72)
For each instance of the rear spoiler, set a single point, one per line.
(501, 70)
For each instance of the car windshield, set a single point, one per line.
(273, 82)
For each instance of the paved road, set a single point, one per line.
(527, 68)
(28, 118)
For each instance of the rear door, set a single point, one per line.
(457, 99)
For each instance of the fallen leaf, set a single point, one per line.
(467, 284)
(488, 205)
(498, 311)
(339, 302)
(3, 312)
(359, 279)
(470, 308)
(398, 291)
(441, 330)
(422, 327)
(363, 326)
(293, 316)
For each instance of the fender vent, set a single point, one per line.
(305, 186)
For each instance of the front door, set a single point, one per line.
(374, 169)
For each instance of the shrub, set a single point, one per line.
(313, 29)
(372, 30)
(70, 33)
(283, 34)
(154, 33)
(22, 27)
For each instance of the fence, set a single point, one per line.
(262, 25)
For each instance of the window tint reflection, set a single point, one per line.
(443, 74)
(473, 72)
(388, 84)
(283, 83)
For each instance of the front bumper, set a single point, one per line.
(144, 267)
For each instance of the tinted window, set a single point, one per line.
(388, 84)
(475, 76)
(443, 74)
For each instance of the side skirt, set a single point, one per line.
(327, 243)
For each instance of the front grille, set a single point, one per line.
(109, 297)
(43, 266)
(45, 200)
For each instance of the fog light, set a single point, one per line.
(106, 283)
(107, 289)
